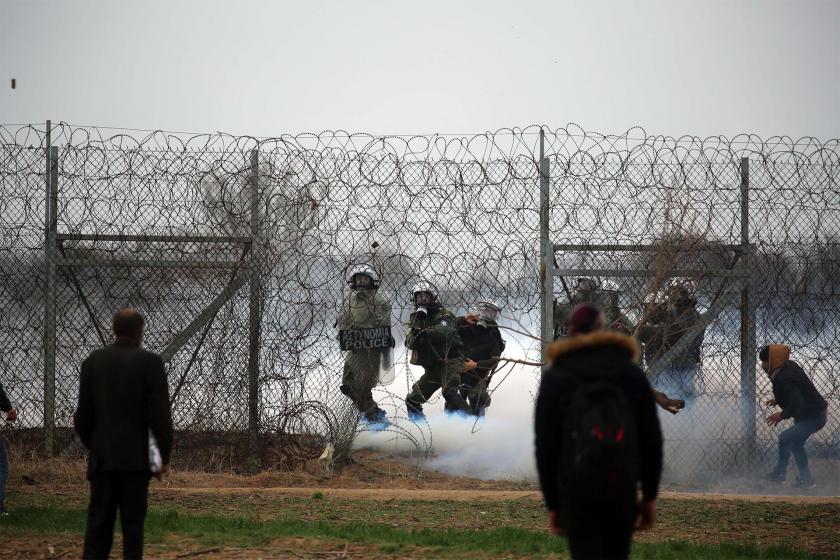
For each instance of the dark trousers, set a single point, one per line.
(4, 470)
(474, 392)
(600, 529)
(127, 492)
(792, 440)
(361, 374)
(445, 376)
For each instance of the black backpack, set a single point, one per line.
(600, 459)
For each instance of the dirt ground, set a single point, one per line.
(459, 495)
(68, 546)
(382, 490)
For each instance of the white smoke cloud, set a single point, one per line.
(497, 447)
(703, 443)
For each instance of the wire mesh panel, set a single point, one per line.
(184, 227)
(22, 222)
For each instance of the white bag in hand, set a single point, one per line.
(155, 460)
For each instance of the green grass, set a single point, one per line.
(245, 531)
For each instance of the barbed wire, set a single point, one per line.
(461, 211)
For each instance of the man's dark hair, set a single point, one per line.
(128, 323)
(764, 353)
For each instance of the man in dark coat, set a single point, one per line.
(123, 399)
(800, 400)
(11, 416)
(483, 347)
(596, 528)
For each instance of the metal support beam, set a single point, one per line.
(51, 226)
(152, 238)
(71, 275)
(206, 314)
(546, 254)
(255, 315)
(645, 273)
(748, 311)
(648, 247)
(174, 396)
(547, 300)
(140, 263)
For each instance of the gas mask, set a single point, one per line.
(362, 282)
(486, 313)
(422, 302)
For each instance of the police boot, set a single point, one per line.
(415, 411)
(455, 404)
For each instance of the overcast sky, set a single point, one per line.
(385, 66)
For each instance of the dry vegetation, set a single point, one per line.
(377, 508)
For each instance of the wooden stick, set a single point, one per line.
(199, 552)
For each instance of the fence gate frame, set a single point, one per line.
(742, 290)
(244, 270)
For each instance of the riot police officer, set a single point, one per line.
(435, 345)
(587, 290)
(664, 328)
(364, 309)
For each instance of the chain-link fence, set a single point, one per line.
(240, 285)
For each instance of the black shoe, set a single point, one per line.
(805, 483)
(377, 416)
(3, 511)
(774, 476)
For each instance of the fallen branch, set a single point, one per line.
(523, 362)
(199, 552)
(523, 333)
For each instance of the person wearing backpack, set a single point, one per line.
(597, 439)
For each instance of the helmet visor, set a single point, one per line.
(486, 311)
(423, 298)
(362, 280)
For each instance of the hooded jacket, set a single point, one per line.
(5, 404)
(611, 356)
(792, 389)
(484, 345)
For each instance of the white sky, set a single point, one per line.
(386, 66)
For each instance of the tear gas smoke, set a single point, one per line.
(500, 446)
(496, 447)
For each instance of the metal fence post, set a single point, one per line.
(254, 316)
(546, 256)
(547, 327)
(49, 298)
(748, 350)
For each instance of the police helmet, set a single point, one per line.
(427, 288)
(363, 277)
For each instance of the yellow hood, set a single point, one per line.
(779, 356)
